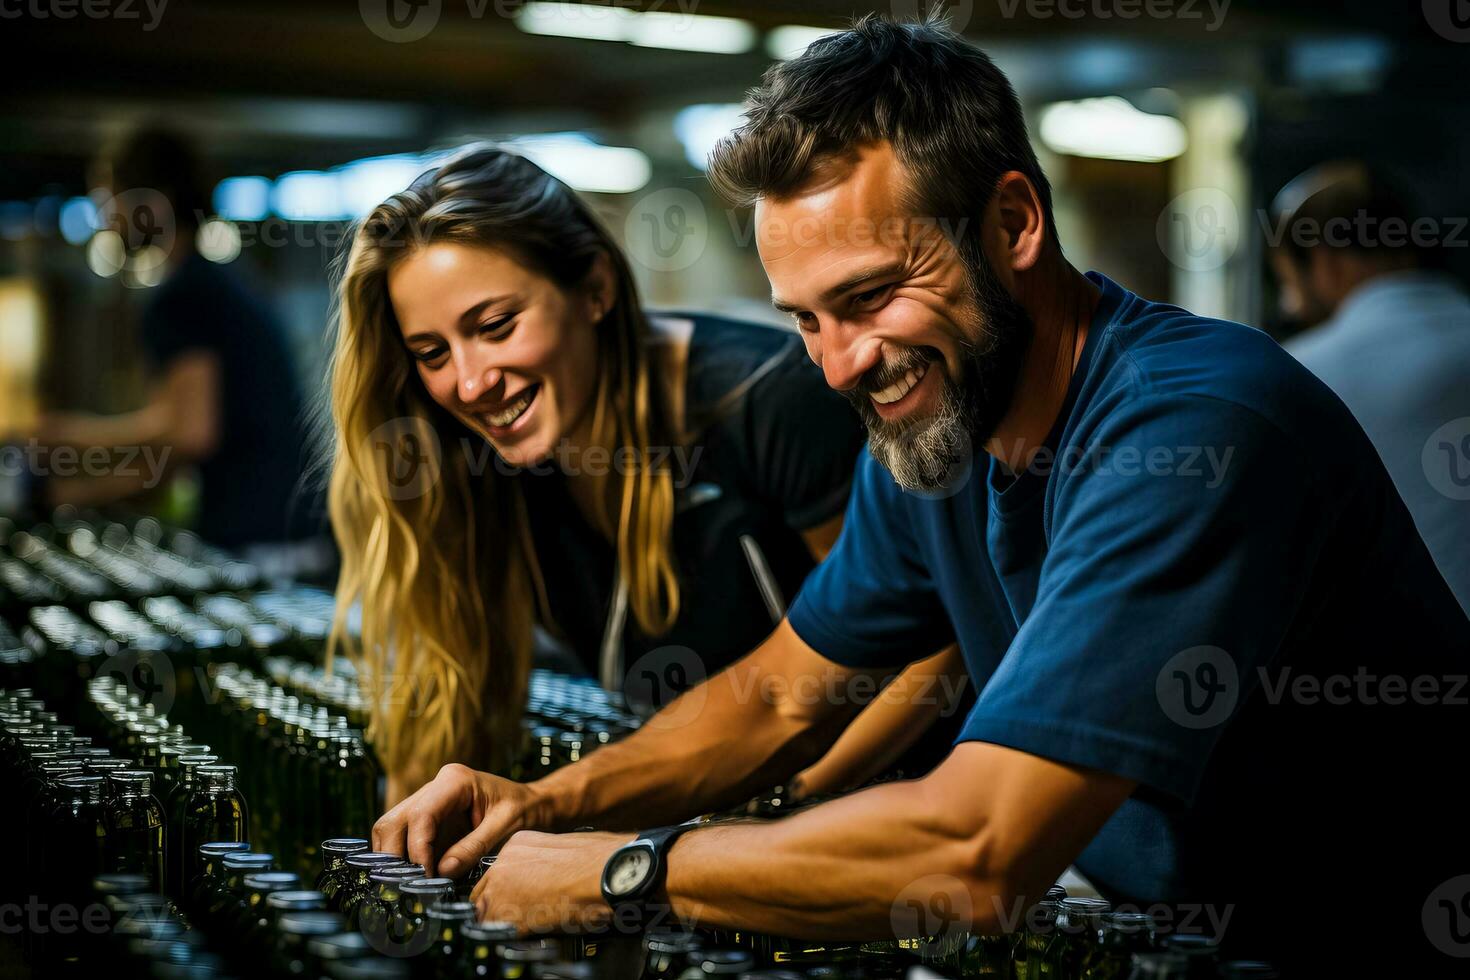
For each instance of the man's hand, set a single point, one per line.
(461, 814)
(548, 882)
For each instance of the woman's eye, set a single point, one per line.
(428, 356)
(497, 329)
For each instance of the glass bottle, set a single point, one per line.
(180, 869)
(479, 945)
(375, 911)
(213, 811)
(1120, 936)
(406, 928)
(668, 954)
(445, 920)
(334, 853)
(1078, 922)
(355, 888)
(285, 902)
(210, 872)
(247, 919)
(292, 932)
(228, 890)
(1028, 955)
(76, 836)
(134, 825)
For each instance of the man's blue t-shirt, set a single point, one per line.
(1206, 535)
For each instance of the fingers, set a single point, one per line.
(410, 828)
(463, 855)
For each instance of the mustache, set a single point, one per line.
(891, 369)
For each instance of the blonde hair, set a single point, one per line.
(444, 569)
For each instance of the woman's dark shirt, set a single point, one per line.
(772, 455)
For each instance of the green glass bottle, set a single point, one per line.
(667, 954)
(334, 853)
(247, 920)
(520, 959)
(357, 886)
(406, 930)
(76, 838)
(1028, 956)
(479, 942)
(1120, 936)
(213, 811)
(135, 826)
(210, 874)
(1078, 922)
(290, 934)
(372, 915)
(185, 771)
(446, 920)
(227, 892)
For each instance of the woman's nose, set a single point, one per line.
(476, 380)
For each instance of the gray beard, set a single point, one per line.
(931, 454)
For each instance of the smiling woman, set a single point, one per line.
(518, 444)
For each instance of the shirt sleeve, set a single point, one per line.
(1171, 578)
(803, 439)
(872, 603)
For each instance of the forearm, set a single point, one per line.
(842, 870)
(712, 747)
(896, 719)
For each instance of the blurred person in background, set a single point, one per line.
(223, 396)
(490, 329)
(1386, 330)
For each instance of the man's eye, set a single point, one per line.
(805, 320)
(869, 296)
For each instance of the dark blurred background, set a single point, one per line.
(1166, 127)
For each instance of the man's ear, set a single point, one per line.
(1019, 223)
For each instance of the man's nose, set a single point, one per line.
(846, 354)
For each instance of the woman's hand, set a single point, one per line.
(457, 817)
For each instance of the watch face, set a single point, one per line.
(630, 868)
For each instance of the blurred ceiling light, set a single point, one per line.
(700, 127)
(218, 241)
(78, 220)
(584, 165)
(648, 29)
(15, 220)
(364, 184)
(145, 266)
(1111, 128)
(691, 32)
(243, 198)
(106, 253)
(307, 195)
(791, 40)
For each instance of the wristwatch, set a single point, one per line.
(634, 874)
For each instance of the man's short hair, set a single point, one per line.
(951, 115)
